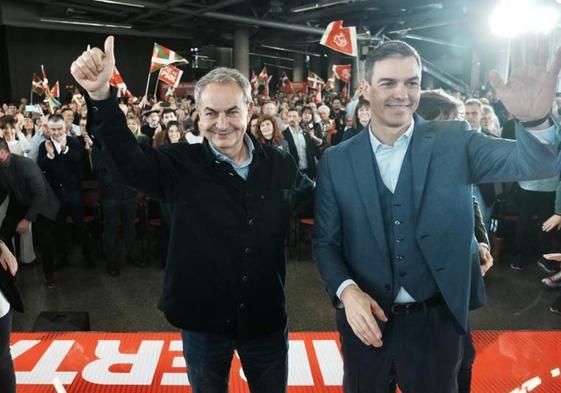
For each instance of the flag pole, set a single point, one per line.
(147, 84)
(31, 96)
(156, 87)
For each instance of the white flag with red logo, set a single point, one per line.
(316, 83)
(339, 38)
(343, 72)
(170, 75)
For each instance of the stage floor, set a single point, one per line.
(507, 362)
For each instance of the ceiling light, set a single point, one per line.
(510, 19)
(125, 3)
(85, 23)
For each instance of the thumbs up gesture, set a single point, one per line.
(93, 70)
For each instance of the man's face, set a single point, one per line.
(473, 115)
(394, 91)
(253, 126)
(9, 133)
(12, 109)
(269, 109)
(336, 104)
(293, 119)
(167, 117)
(153, 119)
(224, 116)
(57, 131)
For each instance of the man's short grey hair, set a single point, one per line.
(223, 75)
(323, 108)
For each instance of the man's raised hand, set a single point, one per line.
(93, 70)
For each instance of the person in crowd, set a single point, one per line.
(337, 114)
(327, 125)
(168, 115)
(60, 158)
(133, 123)
(28, 127)
(269, 134)
(486, 193)
(404, 311)
(195, 135)
(308, 123)
(12, 109)
(436, 105)
(9, 299)
(303, 146)
(68, 116)
(253, 124)
(153, 125)
(490, 121)
(41, 135)
(17, 142)
(172, 133)
(213, 289)
(553, 282)
(32, 200)
(361, 118)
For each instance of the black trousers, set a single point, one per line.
(532, 203)
(71, 204)
(42, 233)
(7, 374)
(115, 211)
(422, 353)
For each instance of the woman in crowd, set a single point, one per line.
(28, 127)
(361, 118)
(9, 298)
(308, 124)
(19, 145)
(269, 134)
(489, 120)
(134, 125)
(173, 133)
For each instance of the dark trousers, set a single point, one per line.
(464, 374)
(71, 204)
(422, 353)
(532, 203)
(42, 234)
(264, 361)
(7, 374)
(115, 211)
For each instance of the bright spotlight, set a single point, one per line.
(515, 17)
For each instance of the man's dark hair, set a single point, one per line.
(4, 145)
(168, 110)
(386, 50)
(7, 120)
(336, 98)
(293, 109)
(436, 104)
(55, 117)
(66, 109)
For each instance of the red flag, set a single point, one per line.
(339, 38)
(343, 72)
(55, 91)
(287, 84)
(316, 83)
(37, 85)
(170, 75)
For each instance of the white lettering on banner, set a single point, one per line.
(22, 346)
(45, 370)
(176, 379)
(143, 363)
(299, 371)
(330, 362)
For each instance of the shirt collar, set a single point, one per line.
(406, 136)
(250, 148)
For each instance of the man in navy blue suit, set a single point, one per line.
(394, 232)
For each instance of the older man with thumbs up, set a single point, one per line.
(230, 199)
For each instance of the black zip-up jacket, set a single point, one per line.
(226, 264)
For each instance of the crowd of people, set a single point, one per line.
(55, 157)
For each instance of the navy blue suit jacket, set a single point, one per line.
(447, 158)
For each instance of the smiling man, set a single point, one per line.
(394, 233)
(230, 200)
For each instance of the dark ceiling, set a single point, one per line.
(293, 23)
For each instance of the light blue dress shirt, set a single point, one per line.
(243, 169)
